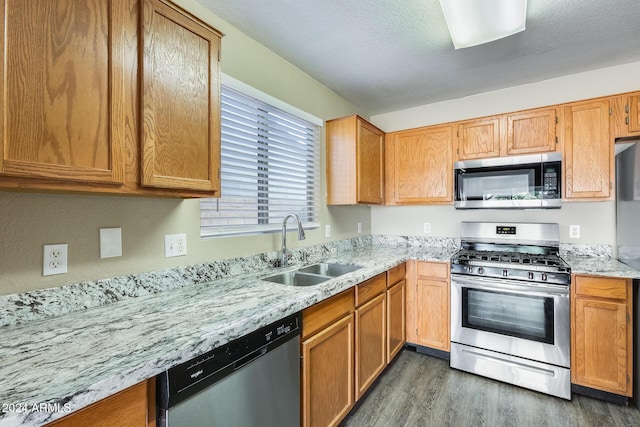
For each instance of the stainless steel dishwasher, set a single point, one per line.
(251, 381)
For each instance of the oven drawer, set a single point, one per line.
(553, 380)
(603, 287)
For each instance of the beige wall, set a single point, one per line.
(27, 221)
(597, 220)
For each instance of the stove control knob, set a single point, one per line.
(530, 275)
(505, 273)
(480, 270)
(543, 276)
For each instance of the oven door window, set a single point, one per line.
(521, 316)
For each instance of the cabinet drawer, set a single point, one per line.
(324, 313)
(373, 287)
(433, 269)
(603, 287)
(396, 274)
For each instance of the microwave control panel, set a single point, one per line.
(550, 180)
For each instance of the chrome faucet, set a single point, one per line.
(285, 253)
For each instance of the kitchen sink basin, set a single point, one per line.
(329, 269)
(294, 278)
(312, 275)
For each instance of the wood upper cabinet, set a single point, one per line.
(64, 98)
(180, 100)
(625, 118)
(133, 407)
(602, 334)
(396, 312)
(420, 166)
(479, 138)
(97, 99)
(588, 151)
(328, 361)
(634, 113)
(531, 131)
(428, 310)
(355, 162)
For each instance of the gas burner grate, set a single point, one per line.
(510, 258)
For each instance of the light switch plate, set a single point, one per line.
(110, 242)
(359, 227)
(327, 230)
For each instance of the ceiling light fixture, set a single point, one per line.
(474, 22)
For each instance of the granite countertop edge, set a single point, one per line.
(79, 358)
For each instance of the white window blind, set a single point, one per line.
(269, 168)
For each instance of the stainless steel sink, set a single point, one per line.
(294, 278)
(330, 269)
(312, 275)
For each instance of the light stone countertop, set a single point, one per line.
(81, 357)
(75, 359)
(600, 267)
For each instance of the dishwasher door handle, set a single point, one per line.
(250, 357)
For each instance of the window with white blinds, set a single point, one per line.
(269, 168)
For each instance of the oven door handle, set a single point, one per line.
(508, 285)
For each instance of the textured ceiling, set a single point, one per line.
(386, 55)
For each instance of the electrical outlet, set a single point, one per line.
(54, 259)
(427, 227)
(175, 245)
(574, 231)
(327, 230)
(359, 227)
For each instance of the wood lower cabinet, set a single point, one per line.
(428, 305)
(531, 131)
(72, 119)
(355, 162)
(602, 334)
(588, 151)
(396, 312)
(133, 407)
(371, 342)
(419, 166)
(328, 361)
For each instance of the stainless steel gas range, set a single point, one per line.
(510, 316)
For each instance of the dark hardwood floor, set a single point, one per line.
(420, 390)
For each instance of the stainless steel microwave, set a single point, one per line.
(516, 182)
